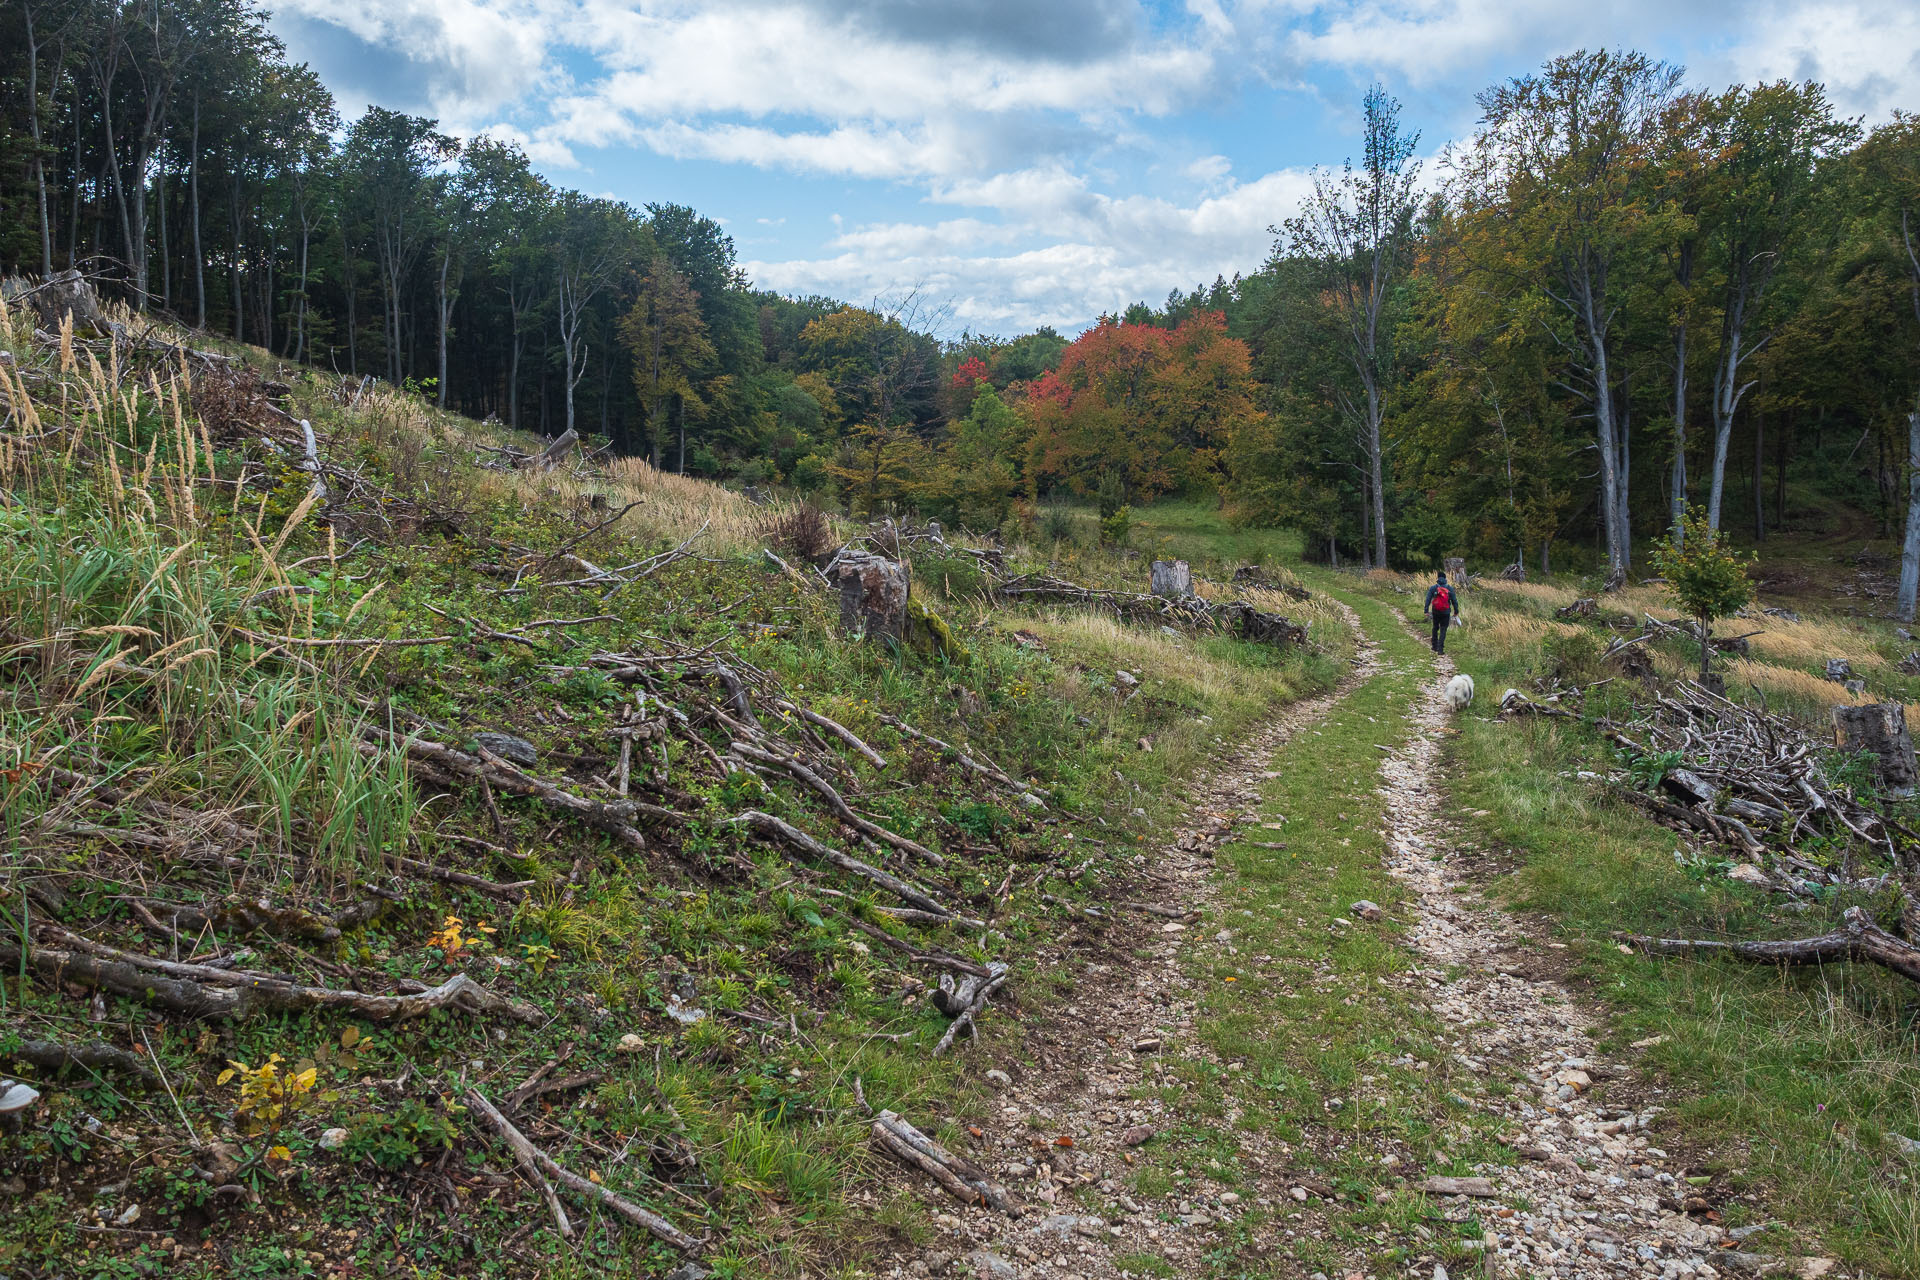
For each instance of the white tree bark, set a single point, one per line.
(1910, 552)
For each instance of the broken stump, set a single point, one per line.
(873, 594)
(1882, 729)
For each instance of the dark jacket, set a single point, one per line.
(1453, 600)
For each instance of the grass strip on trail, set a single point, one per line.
(1322, 1070)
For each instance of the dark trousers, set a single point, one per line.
(1441, 621)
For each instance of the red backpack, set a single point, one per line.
(1442, 600)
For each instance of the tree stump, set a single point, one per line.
(1172, 579)
(873, 594)
(1839, 670)
(1456, 567)
(1882, 729)
(67, 293)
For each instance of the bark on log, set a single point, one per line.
(203, 991)
(553, 453)
(873, 594)
(97, 1055)
(1858, 940)
(1171, 579)
(958, 1176)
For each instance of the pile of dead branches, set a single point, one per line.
(1188, 613)
(1759, 785)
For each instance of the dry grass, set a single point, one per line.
(1811, 641)
(1544, 594)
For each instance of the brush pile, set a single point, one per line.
(1236, 618)
(1760, 786)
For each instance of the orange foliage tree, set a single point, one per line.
(1155, 404)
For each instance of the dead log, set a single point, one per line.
(96, 1056)
(1858, 940)
(551, 456)
(984, 769)
(245, 915)
(838, 730)
(542, 1163)
(203, 991)
(772, 830)
(958, 1176)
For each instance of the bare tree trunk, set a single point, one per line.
(446, 262)
(199, 255)
(1678, 507)
(1379, 487)
(39, 160)
(166, 259)
(1910, 552)
(1611, 482)
(239, 296)
(1759, 477)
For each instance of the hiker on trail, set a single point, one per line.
(1443, 606)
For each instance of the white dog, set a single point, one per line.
(1459, 693)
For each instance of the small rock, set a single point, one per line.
(1439, 1272)
(1125, 680)
(1298, 1193)
(1032, 801)
(1904, 1145)
(688, 1271)
(1747, 873)
(1815, 1268)
(999, 1079)
(128, 1216)
(512, 749)
(1146, 745)
(221, 1161)
(630, 1043)
(1366, 910)
(1146, 1044)
(992, 1265)
(1137, 1135)
(333, 1139)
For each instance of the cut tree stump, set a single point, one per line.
(67, 293)
(1882, 729)
(1172, 579)
(873, 594)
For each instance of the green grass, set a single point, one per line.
(169, 556)
(1791, 1078)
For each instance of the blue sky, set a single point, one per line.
(1020, 162)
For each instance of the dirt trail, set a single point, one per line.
(1592, 1195)
(1129, 1022)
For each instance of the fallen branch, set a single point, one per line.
(984, 769)
(958, 1176)
(203, 991)
(963, 1001)
(660, 1228)
(1858, 940)
(837, 803)
(772, 830)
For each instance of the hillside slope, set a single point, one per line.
(353, 789)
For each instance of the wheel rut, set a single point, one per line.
(1592, 1194)
(1088, 1089)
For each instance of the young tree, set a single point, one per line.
(668, 343)
(1705, 578)
(1356, 229)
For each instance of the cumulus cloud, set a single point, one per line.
(1071, 156)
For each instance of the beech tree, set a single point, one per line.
(1355, 229)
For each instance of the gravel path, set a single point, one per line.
(1592, 1195)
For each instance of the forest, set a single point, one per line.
(1622, 294)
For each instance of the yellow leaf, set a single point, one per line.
(225, 1076)
(306, 1078)
(350, 1037)
(593, 1176)
(280, 1153)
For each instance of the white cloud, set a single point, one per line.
(1866, 53)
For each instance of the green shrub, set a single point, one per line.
(1572, 657)
(1115, 528)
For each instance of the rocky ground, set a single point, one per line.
(1593, 1195)
(1588, 1192)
